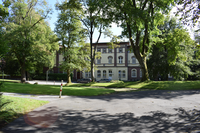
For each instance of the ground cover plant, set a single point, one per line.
(16, 107)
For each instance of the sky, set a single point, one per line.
(116, 30)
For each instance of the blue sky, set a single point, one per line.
(116, 30)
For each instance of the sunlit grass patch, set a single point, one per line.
(17, 107)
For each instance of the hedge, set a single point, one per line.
(51, 76)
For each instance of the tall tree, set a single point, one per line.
(93, 19)
(139, 19)
(29, 36)
(174, 54)
(71, 35)
(3, 14)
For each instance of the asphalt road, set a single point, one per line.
(145, 112)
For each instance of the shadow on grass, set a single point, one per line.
(172, 85)
(98, 121)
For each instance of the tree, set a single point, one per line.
(188, 10)
(3, 14)
(93, 19)
(29, 36)
(71, 35)
(174, 54)
(139, 20)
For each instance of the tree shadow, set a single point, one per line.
(158, 94)
(98, 121)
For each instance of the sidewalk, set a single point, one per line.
(46, 82)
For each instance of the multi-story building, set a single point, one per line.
(117, 64)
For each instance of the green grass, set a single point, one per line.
(154, 85)
(53, 90)
(17, 107)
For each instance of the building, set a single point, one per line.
(117, 64)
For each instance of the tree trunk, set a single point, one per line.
(145, 74)
(142, 62)
(92, 70)
(68, 76)
(23, 73)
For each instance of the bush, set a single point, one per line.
(51, 76)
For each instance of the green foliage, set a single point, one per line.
(29, 37)
(188, 11)
(173, 55)
(72, 36)
(51, 76)
(139, 20)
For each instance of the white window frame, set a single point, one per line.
(120, 59)
(98, 61)
(120, 50)
(133, 60)
(110, 60)
(104, 50)
(104, 73)
(98, 50)
(120, 74)
(123, 74)
(109, 50)
(132, 75)
(87, 75)
(98, 74)
(110, 73)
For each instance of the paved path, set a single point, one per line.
(146, 112)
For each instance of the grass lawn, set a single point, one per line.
(154, 85)
(53, 90)
(16, 108)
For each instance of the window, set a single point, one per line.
(140, 72)
(110, 73)
(104, 73)
(119, 74)
(104, 50)
(123, 73)
(110, 59)
(87, 75)
(109, 50)
(98, 50)
(99, 61)
(120, 59)
(99, 74)
(120, 50)
(133, 73)
(133, 60)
